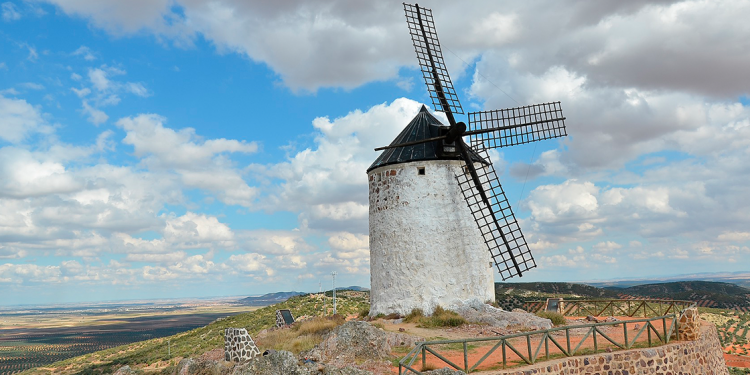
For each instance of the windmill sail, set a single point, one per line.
(489, 129)
(430, 56)
(497, 223)
(515, 126)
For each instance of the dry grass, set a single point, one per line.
(439, 318)
(301, 336)
(556, 318)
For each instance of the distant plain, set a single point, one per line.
(32, 336)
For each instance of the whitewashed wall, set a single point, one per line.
(425, 249)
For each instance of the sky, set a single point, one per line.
(193, 148)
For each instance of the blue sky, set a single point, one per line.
(174, 148)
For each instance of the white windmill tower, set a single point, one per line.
(436, 205)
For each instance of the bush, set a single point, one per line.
(364, 313)
(414, 316)
(556, 318)
(439, 318)
(444, 318)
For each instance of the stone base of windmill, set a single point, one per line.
(239, 346)
(425, 248)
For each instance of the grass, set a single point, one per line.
(301, 336)
(200, 340)
(439, 318)
(556, 318)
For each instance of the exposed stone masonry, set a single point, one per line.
(238, 345)
(690, 325)
(700, 357)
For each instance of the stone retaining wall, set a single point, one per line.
(701, 357)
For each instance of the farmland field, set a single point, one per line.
(37, 336)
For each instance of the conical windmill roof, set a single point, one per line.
(423, 126)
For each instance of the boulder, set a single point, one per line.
(479, 312)
(359, 340)
(203, 366)
(283, 362)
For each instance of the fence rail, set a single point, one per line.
(614, 307)
(530, 350)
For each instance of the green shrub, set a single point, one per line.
(414, 316)
(444, 318)
(556, 318)
(364, 313)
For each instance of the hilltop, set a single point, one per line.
(705, 293)
(269, 299)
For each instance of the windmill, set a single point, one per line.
(422, 250)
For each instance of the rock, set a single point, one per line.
(361, 345)
(591, 318)
(124, 370)
(478, 312)
(203, 366)
(186, 366)
(283, 362)
(360, 341)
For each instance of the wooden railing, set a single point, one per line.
(532, 346)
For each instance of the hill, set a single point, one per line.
(269, 299)
(164, 353)
(706, 293)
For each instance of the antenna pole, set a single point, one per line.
(320, 291)
(333, 276)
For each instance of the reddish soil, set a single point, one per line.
(476, 351)
(737, 360)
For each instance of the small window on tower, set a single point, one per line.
(420, 171)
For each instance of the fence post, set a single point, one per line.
(424, 358)
(528, 345)
(594, 332)
(625, 334)
(504, 358)
(466, 358)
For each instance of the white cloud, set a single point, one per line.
(194, 230)
(328, 183)
(19, 119)
(95, 116)
(274, 242)
(251, 263)
(24, 175)
(85, 52)
(200, 163)
(10, 12)
(31, 86)
(607, 246)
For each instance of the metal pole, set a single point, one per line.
(333, 275)
(169, 349)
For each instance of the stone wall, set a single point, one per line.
(238, 345)
(700, 357)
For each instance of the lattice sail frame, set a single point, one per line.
(500, 252)
(427, 46)
(527, 124)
